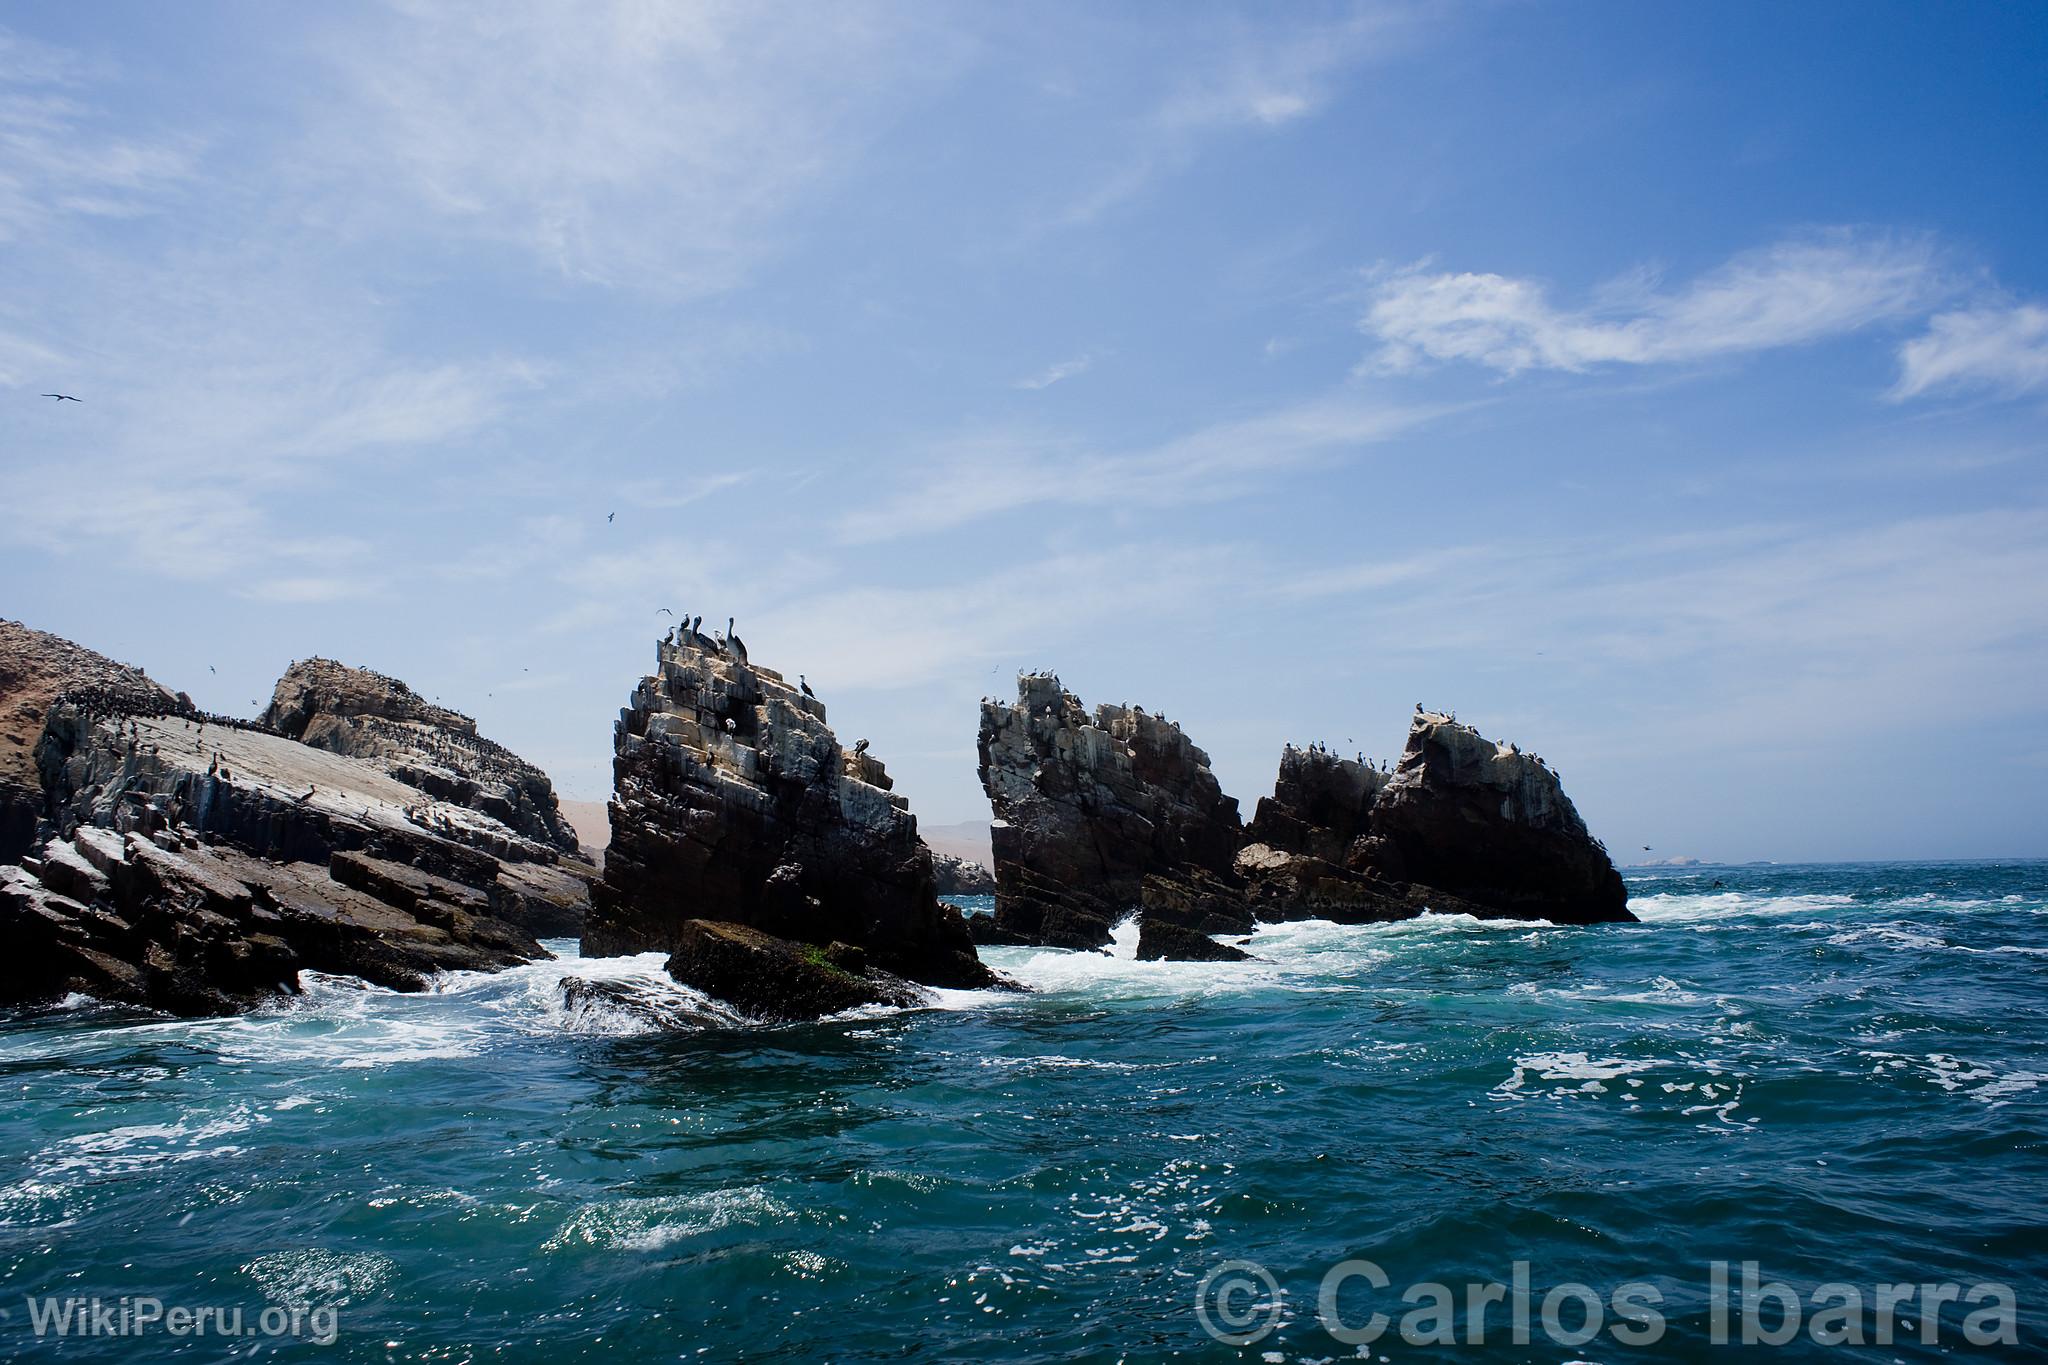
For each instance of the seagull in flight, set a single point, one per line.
(664, 612)
(64, 397)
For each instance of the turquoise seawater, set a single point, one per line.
(1839, 1072)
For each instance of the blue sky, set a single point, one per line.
(1661, 387)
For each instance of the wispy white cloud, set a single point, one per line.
(1053, 374)
(1788, 294)
(1006, 472)
(1240, 80)
(623, 143)
(58, 157)
(2002, 350)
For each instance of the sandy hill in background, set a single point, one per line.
(592, 821)
(968, 840)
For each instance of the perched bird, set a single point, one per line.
(64, 397)
(739, 646)
(860, 746)
(805, 686)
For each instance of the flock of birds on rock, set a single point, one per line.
(690, 631)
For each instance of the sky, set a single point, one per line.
(1663, 388)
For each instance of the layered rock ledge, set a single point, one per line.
(736, 809)
(360, 714)
(1099, 814)
(35, 669)
(197, 864)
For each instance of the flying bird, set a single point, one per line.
(664, 612)
(64, 397)
(209, 668)
(609, 515)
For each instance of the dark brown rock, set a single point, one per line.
(775, 979)
(35, 669)
(1490, 825)
(1088, 808)
(1462, 826)
(179, 925)
(1162, 941)
(733, 801)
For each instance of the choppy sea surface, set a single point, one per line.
(1839, 1072)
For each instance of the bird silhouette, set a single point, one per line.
(805, 686)
(64, 397)
(209, 668)
(609, 515)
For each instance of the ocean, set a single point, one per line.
(1837, 1073)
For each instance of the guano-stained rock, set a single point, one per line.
(35, 669)
(1098, 816)
(360, 714)
(734, 803)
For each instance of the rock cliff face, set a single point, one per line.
(1321, 804)
(735, 805)
(1463, 825)
(360, 714)
(1491, 825)
(35, 669)
(1098, 816)
(197, 864)
(201, 864)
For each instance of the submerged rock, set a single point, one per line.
(360, 714)
(734, 803)
(1099, 815)
(776, 979)
(1162, 940)
(646, 1003)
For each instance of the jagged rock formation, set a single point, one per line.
(734, 804)
(1321, 804)
(1491, 825)
(360, 714)
(35, 669)
(197, 864)
(1463, 825)
(1097, 816)
(959, 877)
